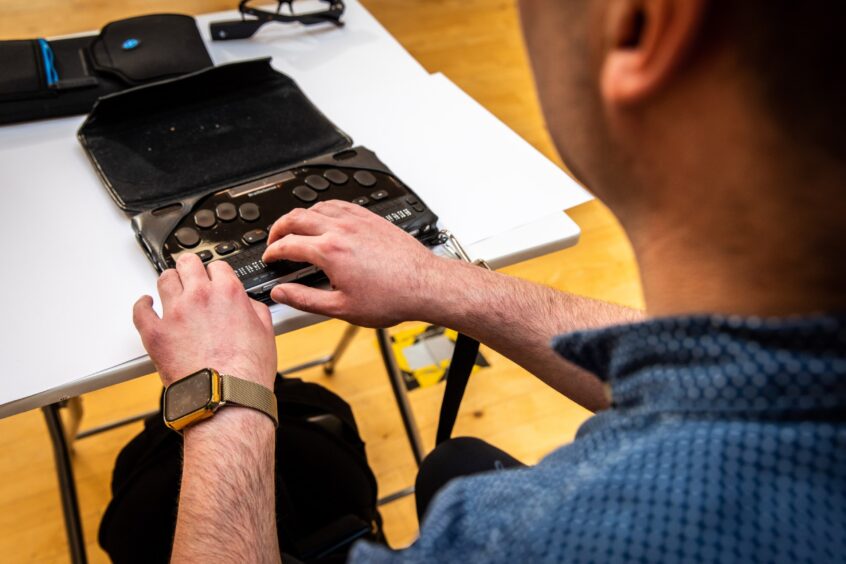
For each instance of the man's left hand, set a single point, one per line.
(208, 321)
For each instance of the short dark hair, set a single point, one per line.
(796, 49)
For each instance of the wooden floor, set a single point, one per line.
(477, 44)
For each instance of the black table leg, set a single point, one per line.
(67, 485)
(400, 394)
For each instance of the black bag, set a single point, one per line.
(326, 492)
(45, 79)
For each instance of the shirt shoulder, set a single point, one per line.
(657, 489)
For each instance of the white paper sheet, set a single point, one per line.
(479, 176)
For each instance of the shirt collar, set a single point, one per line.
(711, 363)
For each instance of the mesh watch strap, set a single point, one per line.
(248, 394)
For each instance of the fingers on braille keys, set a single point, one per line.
(226, 211)
(191, 270)
(365, 178)
(188, 237)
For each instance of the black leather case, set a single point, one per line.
(126, 53)
(167, 142)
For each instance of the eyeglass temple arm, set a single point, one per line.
(235, 29)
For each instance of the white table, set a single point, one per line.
(71, 264)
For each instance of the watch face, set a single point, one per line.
(188, 395)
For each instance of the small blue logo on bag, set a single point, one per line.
(130, 44)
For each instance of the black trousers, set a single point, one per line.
(462, 456)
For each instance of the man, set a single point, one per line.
(715, 130)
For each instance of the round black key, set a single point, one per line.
(205, 255)
(335, 176)
(379, 195)
(254, 236)
(305, 193)
(204, 219)
(226, 211)
(317, 182)
(225, 248)
(249, 211)
(187, 237)
(362, 201)
(364, 178)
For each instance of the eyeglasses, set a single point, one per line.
(244, 28)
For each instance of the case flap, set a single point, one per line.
(156, 144)
(146, 48)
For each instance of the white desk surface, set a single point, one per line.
(72, 268)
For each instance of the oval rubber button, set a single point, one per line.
(364, 178)
(335, 176)
(226, 211)
(317, 182)
(187, 237)
(249, 211)
(254, 236)
(305, 193)
(204, 219)
(225, 248)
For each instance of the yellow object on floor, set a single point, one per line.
(423, 354)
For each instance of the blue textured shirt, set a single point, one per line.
(726, 442)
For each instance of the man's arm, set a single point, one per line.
(227, 501)
(518, 319)
(381, 276)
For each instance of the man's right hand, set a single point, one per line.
(379, 274)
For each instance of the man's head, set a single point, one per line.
(701, 118)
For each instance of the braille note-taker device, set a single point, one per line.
(205, 164)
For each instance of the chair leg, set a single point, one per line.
(115, 424)
(390, 498)
(67, 485)
(401, 395)
(349, 334)
(329, 361)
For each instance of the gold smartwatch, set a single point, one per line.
(200, 395)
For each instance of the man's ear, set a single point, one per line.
(645, 43)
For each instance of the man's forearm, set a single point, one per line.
(519, 319)
(227, 501)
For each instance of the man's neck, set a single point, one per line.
(739, 246)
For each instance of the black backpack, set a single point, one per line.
(325, 490)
